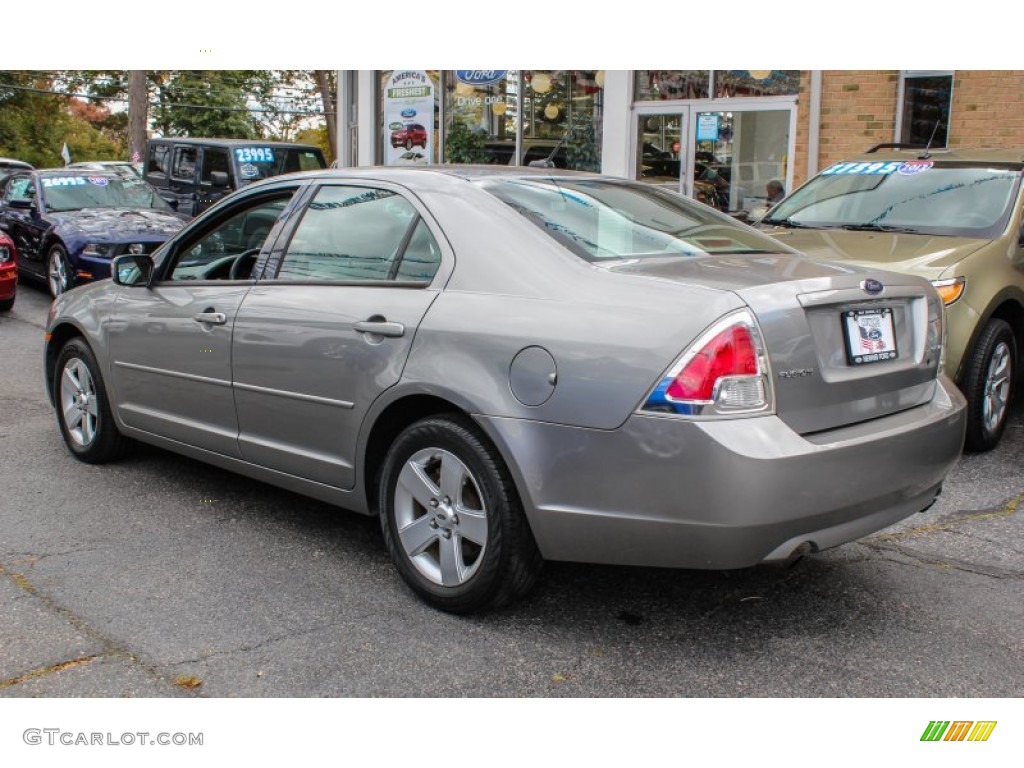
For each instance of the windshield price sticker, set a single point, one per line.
(63, 181)
(905, 168)
(254, 154)
(870, 336)
(248, 171)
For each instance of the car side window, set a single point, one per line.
(421, 256)
(157, 161)
(228, 250)
(214, 160)
(349, 233)
(184, 166)
(20, 188)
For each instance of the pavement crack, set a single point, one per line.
(1007, 509)
(256, 646)
(943, 563)
(110, 648)
(44, 671)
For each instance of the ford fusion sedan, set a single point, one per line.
(68, 224)
(8, 273)
(955, 218)
(513, 365)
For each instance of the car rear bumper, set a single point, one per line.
(662, 491)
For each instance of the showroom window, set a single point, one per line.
(926, 98)
(503, 117)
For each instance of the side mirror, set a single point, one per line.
(219, 178)
(131, 269)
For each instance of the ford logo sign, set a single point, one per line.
(872, 286)
(480, 76)
(408, 113)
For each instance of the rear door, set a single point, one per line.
(183, 177)
(213, 160)
(171, 343)
(329, 327)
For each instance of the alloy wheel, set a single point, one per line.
(997, 387)
(441, 517)
(78, 402)
(57, 273)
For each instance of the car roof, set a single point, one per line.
(79, 171)
(12, 163)
(959, 154)
(232, 142)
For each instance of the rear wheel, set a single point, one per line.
(988, 384)
(452, 519)
(83, 410)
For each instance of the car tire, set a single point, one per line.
(58, 271)
(989, 381)
(408, 143)
(83, 409)
(7, 304)
(452, 519)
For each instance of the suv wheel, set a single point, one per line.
(988, 384)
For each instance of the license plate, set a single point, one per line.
(870, 336)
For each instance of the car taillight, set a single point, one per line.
(724, 372)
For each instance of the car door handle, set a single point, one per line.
(380, 328)
(213, 318)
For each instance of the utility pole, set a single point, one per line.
(138, 113)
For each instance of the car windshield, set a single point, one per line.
(256, 162)
(603, 219)
(916, 197)
(74, 192)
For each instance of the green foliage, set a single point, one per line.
(34, 126)
(465, 146)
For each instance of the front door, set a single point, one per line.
(171, 343)
(24, 225)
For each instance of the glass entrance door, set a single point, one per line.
(661, 148)
(741, 158)
(734, 159)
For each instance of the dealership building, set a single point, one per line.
(720, 136)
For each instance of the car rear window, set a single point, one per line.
(606, 219)
(916, 196)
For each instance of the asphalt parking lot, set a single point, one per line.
(161, 576)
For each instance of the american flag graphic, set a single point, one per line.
(871, 339)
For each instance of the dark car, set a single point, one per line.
(193, 174)
(8, 273)
(68, 224)
(409, 136)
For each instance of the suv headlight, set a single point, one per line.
(950, 290)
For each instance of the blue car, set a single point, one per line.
(67, 224)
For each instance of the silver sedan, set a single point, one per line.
(515, 365)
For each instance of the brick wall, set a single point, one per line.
(858, 110)
(988, 109)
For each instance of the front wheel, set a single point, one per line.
(83, 410)
(988, 385)
(58, 271)
(452, 519)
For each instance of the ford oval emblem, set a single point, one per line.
(407, 113)
(480, 76)
(872, 286)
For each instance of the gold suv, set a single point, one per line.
(953, 217)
